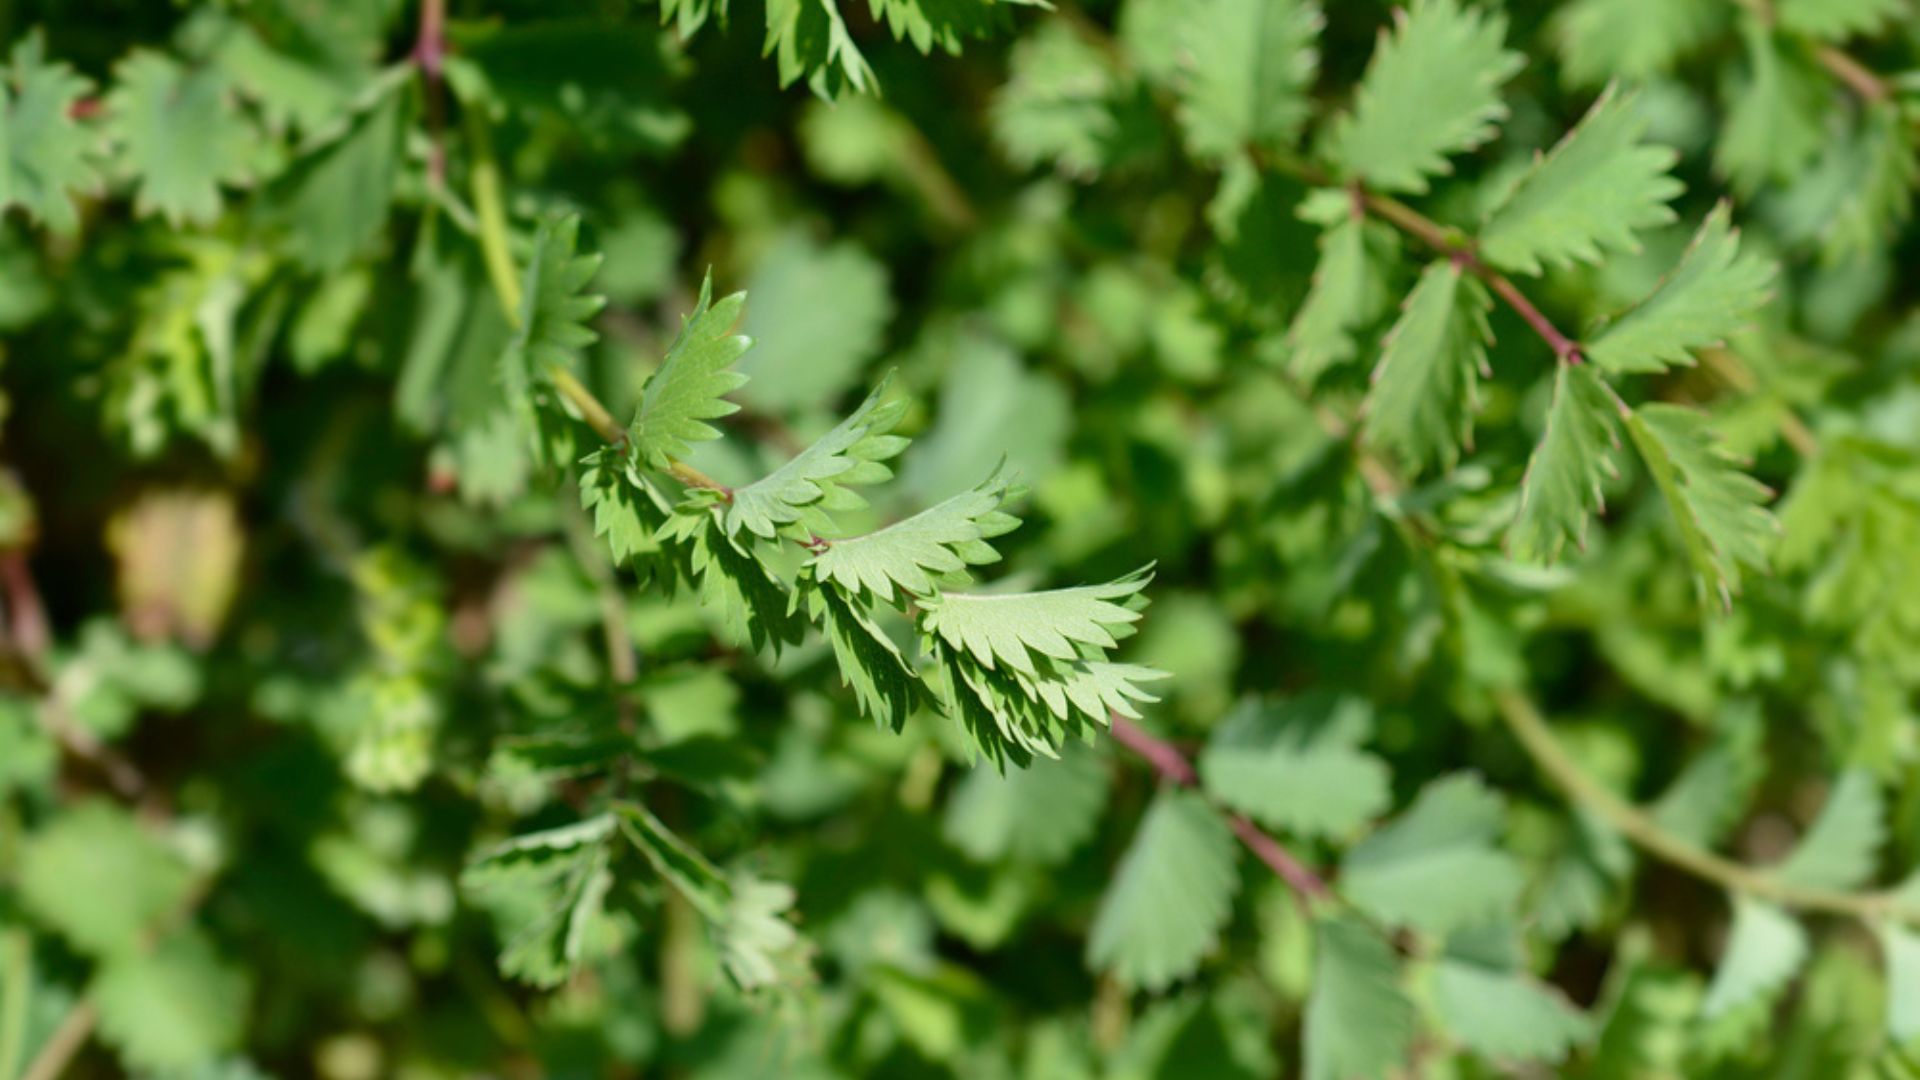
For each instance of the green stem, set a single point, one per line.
(491, 210)
(1534, 734)
(16, 988)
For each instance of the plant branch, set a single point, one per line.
(1459, 247)
(1173, 766)
(16, 990)
(1537, 738)
(67, 1039)
(490, 209)
(429, 55)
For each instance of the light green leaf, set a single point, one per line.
(1842, 848)
(809, 38)
(1170, 896)
(1249, 66)
(1902, 949)
(1561, 489)
(172, 1007)
(689, 386)
(1709, 796)
(1505, 1015)
(98, 879)
(1426, 387)
(1776, 118)
(335, 200)
(927, 551)
(1764, 949)
(546, 890)
(1631, 39)
(1040, 814)
(46, 157)
(1349, 289)
(1055, 107)
(180, 136)
(1587, 196)
(1013, 629)
(1713, 292)
(1878, 196)
(1720, 511)
(818, 317)
(552, 330)
(816, 482)
(1298, 765)
(1436, 868)
(1432, 89)
(1837, 20)
(1359, 1025)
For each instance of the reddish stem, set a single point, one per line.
(1173, 766)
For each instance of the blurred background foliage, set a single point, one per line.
(283, 584)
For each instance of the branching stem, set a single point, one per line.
(1173, 766)
(1534, 734)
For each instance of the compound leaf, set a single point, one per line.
(1764, 949)
(1436, 868)
(1249, 66)
(1359, 1023)
(180, 136)
(45, 155)
(816, 481)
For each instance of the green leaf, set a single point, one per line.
(1358, 1025)
(1425, 388)
(1432, 89)
(180, 136)
(99, 880)
(1878, 196)
(754, 605)
(885, 685)
(1631, 40)
(1298, 765)
(819, 315)
(172, 1007)
(1436, 868)
(1837, 20)
(757, 944)
(1561, 489)
(1842, 848)
(1015, 629)
(1721, 511)
(807, 490)
(1776, 118)
(547, 889)
(1505, 1015)
(552, 330)
(1169, 898)
(1714, 291)
(1901, 946)
(1349, 290)
(809, 38)
(928, 551)
(1055, 107)
(335, 201)
(1589, 195)
(1710, 795)
(46, 157)
(1764, 949)
(689, 386)
(1249, 66)
(1040, 814)
(628, 511)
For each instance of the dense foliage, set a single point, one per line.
(1191, 538)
